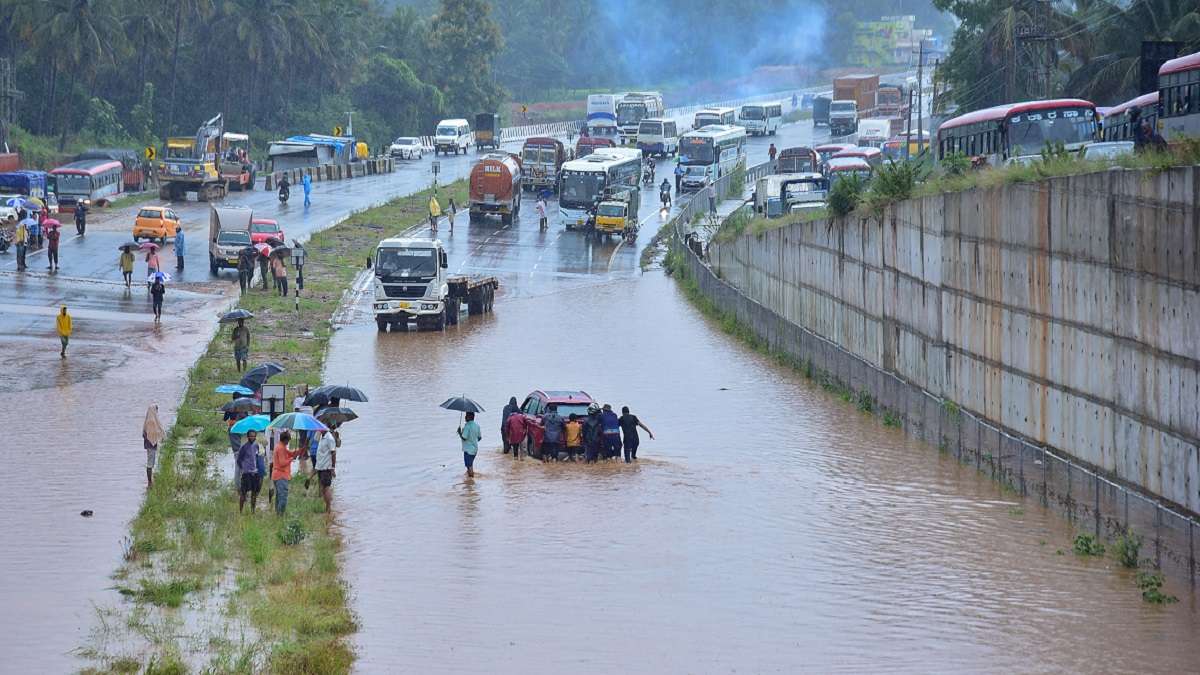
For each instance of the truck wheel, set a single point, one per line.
(452, 312)
(250, 185)
(382, 324)
(440, 322)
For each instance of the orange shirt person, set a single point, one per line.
(281, 470)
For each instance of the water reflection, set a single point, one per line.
(769, 528)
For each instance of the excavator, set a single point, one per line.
(210, 164)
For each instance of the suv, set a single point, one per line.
(536, 404)
(407, 147)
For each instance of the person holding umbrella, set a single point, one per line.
(264, 259)
(470, 435)
(62, 323)
(152, 435)
(241, 345)
(52, 236)
(180, 248)
(153, 265)
(247, 464)
(326, 464)
(281, 469)
(158, 289)
(246, 267)
(126, 264)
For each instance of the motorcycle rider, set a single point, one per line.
(80, 218)
(664, 193)
(285, 188)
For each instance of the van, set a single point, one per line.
(658, 137)
(452, 136)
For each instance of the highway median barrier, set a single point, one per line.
(366, 167)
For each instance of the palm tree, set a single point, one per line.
(184, 9)
(145, 27)
(1109, 69)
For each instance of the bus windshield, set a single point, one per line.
(843, 106)
(705, 119)
(652, 128)
(696, 151)
(630, 113)
(408, 262)
(752, 112)
(72, 183)
(580, 187)
(1029, 132)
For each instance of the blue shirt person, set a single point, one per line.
(470, 436)
(306, 183)
(180, 248)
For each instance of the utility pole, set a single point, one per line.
(920, 93)
(908, 126)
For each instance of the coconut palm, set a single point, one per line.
(1109, 59)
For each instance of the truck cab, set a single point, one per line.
(617, 212)
(228, 234)
(412, 284)
(843, 117)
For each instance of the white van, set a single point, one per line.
(658, 137)
(873, 133)
(452, 136)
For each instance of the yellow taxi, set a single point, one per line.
(155, 222)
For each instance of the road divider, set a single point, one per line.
(365, 167)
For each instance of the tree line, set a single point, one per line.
(134, 71)
(1013, 50)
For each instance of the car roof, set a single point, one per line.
(264, 221)
(153, 207)
(565, 396)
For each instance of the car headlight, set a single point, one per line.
(429, 305)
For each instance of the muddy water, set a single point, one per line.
(73, 442)
(768, 528)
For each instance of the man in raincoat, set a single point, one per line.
(180, 248)
(62, 324)
(126, 265)
(306, 183)
(435, 212)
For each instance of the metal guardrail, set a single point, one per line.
(1083, 495)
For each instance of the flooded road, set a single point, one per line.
(770, 527)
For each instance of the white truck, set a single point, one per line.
(411, 284)
(843, 117)
(228, 234)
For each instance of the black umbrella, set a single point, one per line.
(129, 244)
(324, 394)
(236, 315)
(281, 251)
(462, 404)
(244, 404)
(338, 416)
(256, 376)
(275, 241)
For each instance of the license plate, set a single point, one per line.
(405, 305)
(232, 261)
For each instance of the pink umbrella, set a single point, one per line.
(148, 246)
(50, 222)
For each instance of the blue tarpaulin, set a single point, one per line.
(25, 182)
(338, 143)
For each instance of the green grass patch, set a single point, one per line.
(1088, 545)
(288, 586)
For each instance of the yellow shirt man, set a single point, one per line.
(63, 324)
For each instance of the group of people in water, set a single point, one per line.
(601, 434)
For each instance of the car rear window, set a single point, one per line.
(264, 227)
(149, 213)
(567, 409)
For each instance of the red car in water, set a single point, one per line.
(538, 402)
(262, 229)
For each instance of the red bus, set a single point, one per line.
(97, 181)
(1003, 132)
(1179, 95)
(1117, 123)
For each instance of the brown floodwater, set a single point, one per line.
(770, 527)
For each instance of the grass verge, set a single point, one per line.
(191, 551)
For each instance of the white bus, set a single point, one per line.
(709, 153)
(636, 106)
(873, 133)
(582, 181)
(761, 119)
(707, 116)
(602, 115)
(658, 137)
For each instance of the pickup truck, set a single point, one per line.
(228, 234)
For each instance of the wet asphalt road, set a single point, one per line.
(79, 445)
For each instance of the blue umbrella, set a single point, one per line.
(298, 421)
(233, 389)
(251, 423)
(16, 202)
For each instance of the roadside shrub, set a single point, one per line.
(737, 181)
(1127, 549)
(1086, 544)
(845, 195)
(895, 182)
(955, 164)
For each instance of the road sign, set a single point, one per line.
(150, 152)
(337, 131)
(524, 108)
(436, 167)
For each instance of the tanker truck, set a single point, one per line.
(495, 187)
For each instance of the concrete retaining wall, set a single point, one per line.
(1046, 325)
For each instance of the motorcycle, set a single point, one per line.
(648, 177)
(664, 196)
(284, 193)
